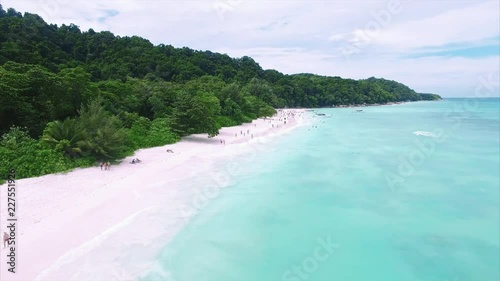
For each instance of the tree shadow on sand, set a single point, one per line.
(201, 139)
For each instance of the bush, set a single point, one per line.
(249, 117)
(160, 133)
(225, 121)
(138, 132)
(145, 133)
(31, 159)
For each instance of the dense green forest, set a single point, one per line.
(69, 97)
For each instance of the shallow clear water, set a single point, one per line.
(404, 193)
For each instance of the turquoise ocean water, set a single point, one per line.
(404, 193)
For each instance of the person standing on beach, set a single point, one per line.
(102, 165)
(5, 239)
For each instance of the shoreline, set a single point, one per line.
(90, 224)
(372, 104)
(369, 105)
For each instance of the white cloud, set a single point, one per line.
(339, 37)
(298, 36)
(467, 24)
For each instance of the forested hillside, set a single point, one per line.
(70, 97)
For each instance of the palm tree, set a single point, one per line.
(65, 136)
(105, 137)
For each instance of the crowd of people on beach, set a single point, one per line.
(283, 116)
(280, 118)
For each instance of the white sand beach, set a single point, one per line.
(90, 224)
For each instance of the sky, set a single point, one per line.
(451, 48)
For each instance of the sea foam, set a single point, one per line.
(425, 134)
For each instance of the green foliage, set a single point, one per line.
(207, 106)
(138, 132)
(262, 90)
(256, 107)
(224, 121)
(232, 110)
(145, 133)
(31, 96)
(128, 119)
(104, 133)
(66, 136)
(30, 158)
(160, 134)
(430, 97)
(195, 114)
